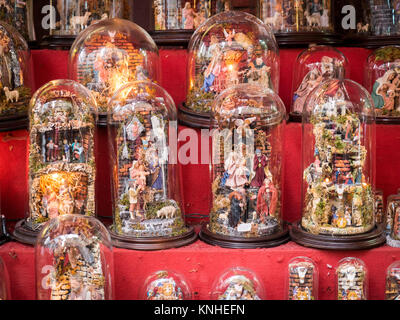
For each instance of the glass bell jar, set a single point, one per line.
(69, 17)
(74, 260)
(338, 169)
(382, 80)
(392, 291)
(4, 282)
(351, 279)
(392, 205)
(165, 285)
(19, 14)
(302, 279)
(229, 48)
(294, 18)
(248, 122)
(146, 185)
(61, 155)
(15, 84)
(111, 53)
(313, 66)
(238, 283)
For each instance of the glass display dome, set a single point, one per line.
(61, 157)
(297, 16)
(302, 279)
(352, 279)
(165, 285)
(146, 180)
(111, 53)
(238, 284)
(313, 66)
(382, 80)
(74, 260)
(393, 221)
(379, 209)
(70, 17)
(4, 282)
(229, 48)
(15, 91)
(248, 122)
(392, 291)
(338, 159)
(393, 205)
(19, 14)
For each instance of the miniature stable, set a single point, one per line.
(147, 210)
(248, 121)
(15, 86)
(313, 66)
(229, 48)
(165, 285)
(109, 54)
(302, 280)
(61, 156)
(338, 169)
(74, 260)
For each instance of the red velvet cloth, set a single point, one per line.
(199, 262)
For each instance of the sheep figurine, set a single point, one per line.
(167, 212)
(12, 96)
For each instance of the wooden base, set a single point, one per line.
(57, 42)
(150, 244)
(102, 119)
(172, 37)
(24, 234)
(193, 119)
(304, 39)
(387, 120)
(4, 236)
(16, 122)
(295, 117)
(244, 243)
(369, 240)
(369, 41)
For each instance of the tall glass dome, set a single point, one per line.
(74, 260)
(352, 279)
(229, 48)
(392, 291)
(248, 122)
(302, 283)
(146, 183)
(313, 66)
(238, 283)
(61, 153)
(111, 53)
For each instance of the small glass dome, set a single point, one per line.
(393, 205)
(392, 291)
(352, 279)
(165, 285)
(227, 49)
(338, 159)
(111, 53)
(291, 16)
(313, 66)
(379, 209)
(61, 157)
(248, 122)
(74, 260)
(73, 16)
(145, 177)
(4, 282)
(238, 284)
(382, 80)
(302, 279)
(15, 85)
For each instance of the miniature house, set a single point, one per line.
(74, 260)
(111, 53)
(229, 48)
(146, 180)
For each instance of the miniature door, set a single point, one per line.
(145, 178)
(61, 157)
(352, 280)
(238, 284)
(247, 122)
(382, 79)
(313, 66)
(392, 291)
(74, 260)
(111, 53)
(338, 130)
(166, 285)
(302, 279)
(230, 48)
(15, 91)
